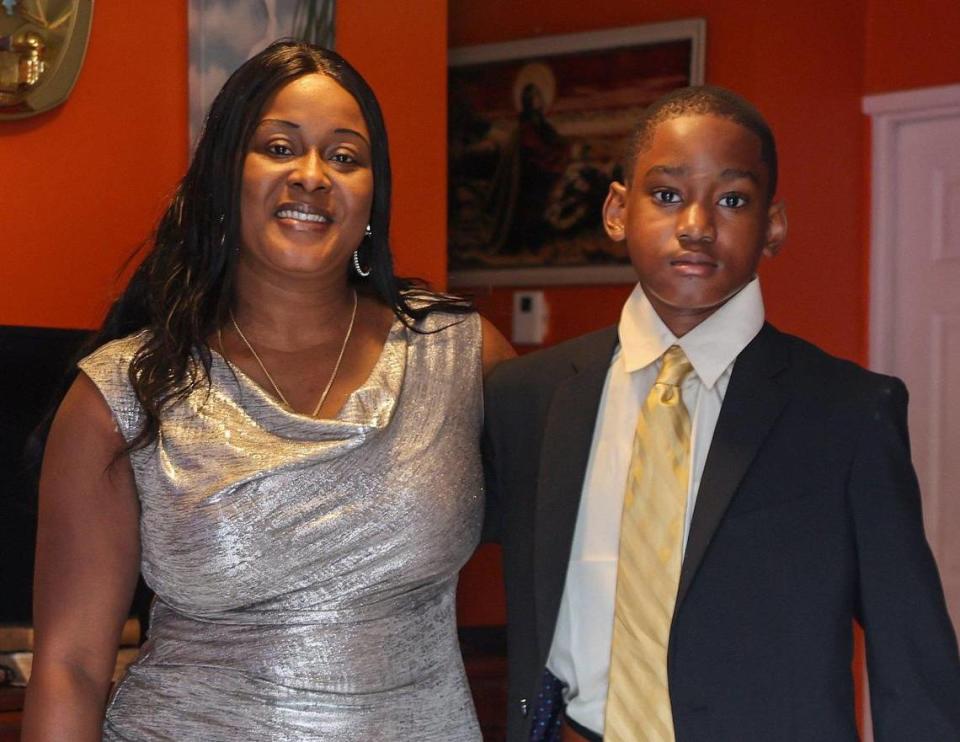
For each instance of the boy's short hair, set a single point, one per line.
(705, 100)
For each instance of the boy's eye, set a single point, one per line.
(733, 200)
(666, 197)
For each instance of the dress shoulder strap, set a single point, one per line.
(108, 367)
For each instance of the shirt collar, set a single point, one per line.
(711, 346)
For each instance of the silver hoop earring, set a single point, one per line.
(356, 265)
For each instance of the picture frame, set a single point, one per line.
(223, 34)
(536, 132)
(43, 46)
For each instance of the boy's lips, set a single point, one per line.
(694, 265)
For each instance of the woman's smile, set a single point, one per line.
(303, 216)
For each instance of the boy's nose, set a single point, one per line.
(695, 224)
(310, 172)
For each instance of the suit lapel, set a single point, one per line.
(751, 405)
(564, 454)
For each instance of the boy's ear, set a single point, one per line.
(776, 228)
(614, 211)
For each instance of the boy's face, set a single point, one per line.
(696, 216)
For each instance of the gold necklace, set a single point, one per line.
(273, 383)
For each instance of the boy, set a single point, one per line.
(694, 507)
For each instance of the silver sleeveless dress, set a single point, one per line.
(305, 569)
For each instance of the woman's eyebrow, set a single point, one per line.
(292, 125)
(354, 132)
(281, 122)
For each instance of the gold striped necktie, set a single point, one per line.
(648, 569)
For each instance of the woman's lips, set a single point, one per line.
(303, 217)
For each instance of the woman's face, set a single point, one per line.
(307, 181)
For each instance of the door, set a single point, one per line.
(915, 294)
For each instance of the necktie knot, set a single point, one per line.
(674, 368)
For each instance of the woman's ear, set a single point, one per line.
(614, 211)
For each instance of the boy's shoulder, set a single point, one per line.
(810, 369)
(593, 350)
(822, 373)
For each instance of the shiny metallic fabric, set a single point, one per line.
(305, 569)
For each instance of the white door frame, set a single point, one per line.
(889, 112)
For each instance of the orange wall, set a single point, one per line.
(806, 66)
(81, 186)
(911, 44)
(91, 176)
(802, 64)
(401, 48)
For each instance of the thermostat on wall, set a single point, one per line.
(529, 317)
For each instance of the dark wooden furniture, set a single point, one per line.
(11, 705)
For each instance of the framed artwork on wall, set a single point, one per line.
(226, 33)
(536, 132)
(42, 48)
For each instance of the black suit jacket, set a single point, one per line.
(808, 517)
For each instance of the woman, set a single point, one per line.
(285, 446)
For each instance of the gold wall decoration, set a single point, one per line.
(42, 46)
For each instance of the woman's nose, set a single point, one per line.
(310, 172)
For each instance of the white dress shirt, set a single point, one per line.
(580, 652)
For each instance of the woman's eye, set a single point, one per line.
(666, 197)
(279, 149)
(733, 201)
(344, 158)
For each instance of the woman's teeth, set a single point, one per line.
(301, 216)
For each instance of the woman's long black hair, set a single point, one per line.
(182, 290)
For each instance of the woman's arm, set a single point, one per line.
(88, 551)
(495, 347)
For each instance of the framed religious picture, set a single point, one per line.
(536, 132)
